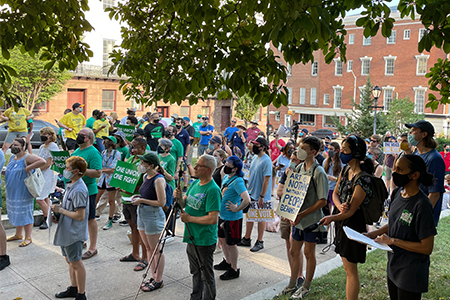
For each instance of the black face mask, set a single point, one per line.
(401, 179)
(156, 121)
(160, 150)
(44, 138)
(256, 150)
(178, 126)
(80, 139)
(227, 170)
(168, 134)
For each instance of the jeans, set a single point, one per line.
(99, 145)
(199, 280)
(201, 150)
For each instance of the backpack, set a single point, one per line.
(169, 192)
(374, 209)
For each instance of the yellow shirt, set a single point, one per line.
(102, 132)
(76, 122)
(17, 120)
(144, 124)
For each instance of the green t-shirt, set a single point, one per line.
(141, 178)
(147, 148)
(177, 149)
(94, 162)
(90, 122)
(170, 165)
(125, 153)
(201, 199)
(197, 126)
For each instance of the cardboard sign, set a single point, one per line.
(246, 170)
(128, 130)
(277, 179)
(59, 159)
(391, 148)
(256, 214)
(294, 193)
(125, 177)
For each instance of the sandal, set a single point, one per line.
(148, 281)
(149, 287)
(25, 242)
(141, 265)
(14, 238)
(128, 258)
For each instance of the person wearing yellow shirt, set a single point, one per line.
(101, 128)
(73, 122)
(17, 122)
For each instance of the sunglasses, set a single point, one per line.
(373, 141)
(233, 121)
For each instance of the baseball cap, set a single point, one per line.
(176, 116)
(261, 141)
(216, 139)
(305, 130)
(423, 125)
(111, 138)
(199, 116)
(186, 119)
(76, 105)
(139, 131)
(150, 158)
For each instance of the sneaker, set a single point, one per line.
(71, 292)
(115, 219)
(4, 262)
(245, 242)
(123, 223)
(81, 296)
(223, 266)
(300, 293)
(97, 218)
(230, 274)
(258, 246)
(43, 226)
(108, 225)
(287, 291)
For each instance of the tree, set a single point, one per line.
(401, 111)
(245, 108)
(175, 50)
(33, 83)
(361, 119)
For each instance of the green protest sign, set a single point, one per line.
(125, 177)
(59, 159)
(128, 130)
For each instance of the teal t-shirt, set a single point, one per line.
(196, 126)
(177, 149)
(125, 152)
(94, 162)
(201, 199)
(233, 194)
(90, 123)
(169, 164)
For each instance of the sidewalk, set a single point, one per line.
(39, 270)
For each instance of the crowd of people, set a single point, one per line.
(214, 194)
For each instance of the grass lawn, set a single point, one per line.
(373, 277)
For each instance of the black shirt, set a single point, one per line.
(183, 137)
(153, 132)
(190, 130)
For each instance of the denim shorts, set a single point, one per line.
(73, 252)
(150, 219)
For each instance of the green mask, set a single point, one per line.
(103, 119)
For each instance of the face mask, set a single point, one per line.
(370, 156)
(80, 139)
(345, 158)
(331, 153)
(400, 179)
(160, 150)
(404, 146)
(132, 150)
(103, 119)
(301, 154)
(327, 143)
(205, 124)
(447, 149)
(146, 119)
(141, 169)
(217, 159)
(199, 120)
(15, 150)
(292, 165)
(81, 109)
(227, 170)
(68, 174)
(156, 121)
(44, 138)
(256, 149)
(168, 134)
(178, 126)
(211, 147)
(412, 140)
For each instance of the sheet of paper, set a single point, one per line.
(356, 236)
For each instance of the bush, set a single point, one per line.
(441, 142)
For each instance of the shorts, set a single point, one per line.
(150, 219)
(103, 187)
(189, 155)
(73, 252)
(71, 144)
(14, 134)
(310, 237)
(130, 212)
(230, 230)
(388, 173)
(285, 229)
(196, 141)
(92, 204)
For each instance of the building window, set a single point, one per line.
(328, 121)
(135, 105)
(40, 107)
(421, 64)
(287, 121)
(389, 65)
(337, 96)
(338, 67)
(314, 68)
(393, 37)
(422, 32)
(185, 111)
(289, 95)
(289, 69)
(365, 65)
(108, 3)
(163, 111)
(367, 41)
(277, 116)
(351, 39)
(108, 46)
(419, 98)
(388, 96)
(349, 65)
(406, 34)
(302, 95)
(108, 100)
(206, 111)
(326, 99)
(306, 119)
(313, 96)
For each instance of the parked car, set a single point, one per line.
(37, 126)
(322, 133)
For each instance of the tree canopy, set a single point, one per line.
(245, 108)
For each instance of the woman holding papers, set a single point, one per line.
(410, 231)
(348, 195)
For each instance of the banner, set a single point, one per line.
(277, 179)
(246, 170)
(391, 148)
(125, 177)
(59, 159)
(128, 130)
(256, 214)
(294, 192)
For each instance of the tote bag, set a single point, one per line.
(35, 183)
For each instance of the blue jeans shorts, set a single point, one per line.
(73, 252)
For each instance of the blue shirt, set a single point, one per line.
(183, 137)
(238, 145)
(260, 168)
(229, 132)
(232, 193)
(204, 139)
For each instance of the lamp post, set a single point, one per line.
(376, 92)
(354, 85)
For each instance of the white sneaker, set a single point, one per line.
(300, 293)
(287, 291)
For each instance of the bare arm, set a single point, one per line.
(316, 206)
(434, 197)
(33, 162)
(357, 198)
(47, 164)
(210, 219)
(425, 246)
(265, 185)
(160, 185)
(244, 203)
(76, 215)
(93, 173)
(280, 190)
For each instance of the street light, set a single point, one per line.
(376, 92)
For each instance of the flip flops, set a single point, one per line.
(128, 258)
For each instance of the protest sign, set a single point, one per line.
(59, 159)
(294, 192)
(128, 130)
(125, 177)
(246, 170)
(277, 179)
(264, 214)
(391, 148)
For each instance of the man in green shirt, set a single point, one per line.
(177, 150)
(85, 140)
(167, 161)
(197, 126)
(91, 120)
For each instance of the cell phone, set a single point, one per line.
(281, 165)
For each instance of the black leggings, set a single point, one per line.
(398, 294)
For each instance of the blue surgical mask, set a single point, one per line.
(211, 147)
(292, 165)
(331, 153)
(81, 109)
(345, 158)
(412, 140)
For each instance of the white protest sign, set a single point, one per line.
(282, 131)
(277, 179)
(294, 193)
(264, 214)
(246, 170)
(391, 148)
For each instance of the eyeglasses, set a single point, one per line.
(373, 141)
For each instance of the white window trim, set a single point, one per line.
(417, 64)
(420, 30)
(334, 96)
(385, 64)
(336, 61)
(311, 96)
(350, 42)
(362, 69)
(324, 103)
(300, 96)
(312, 68)
(416, 88)
(395, 38)
(290, 95)
(365, 39)
(349, 63)
(288, 69)
(385, 88)
(409, 35)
